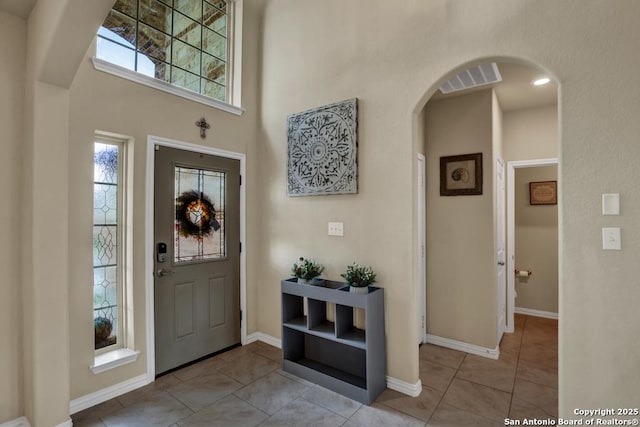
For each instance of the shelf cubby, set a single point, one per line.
(334, 354)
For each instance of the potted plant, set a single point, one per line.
(102, 329)
(306, 270)
(359, 278)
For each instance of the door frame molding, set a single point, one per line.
(422, 248)
(503, 327)
(511, 228)
(152, 141)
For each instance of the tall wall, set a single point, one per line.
(58, 34)
(315, 54)
(536, 241)
(461, 290)
(13, 37)
(393, 59)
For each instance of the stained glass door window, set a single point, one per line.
(106, 236)
(200, 215)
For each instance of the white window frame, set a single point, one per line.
(122, 352)
(234, 77)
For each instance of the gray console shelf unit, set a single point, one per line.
(335, 355)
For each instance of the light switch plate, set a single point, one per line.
(336, 229)
(611, 204)
(611, 239)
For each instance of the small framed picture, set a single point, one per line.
(461, 175)
(543, 193)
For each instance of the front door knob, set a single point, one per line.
(164, 272)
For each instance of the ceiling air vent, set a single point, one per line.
(473, 77)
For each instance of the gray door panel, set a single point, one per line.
(197, 285)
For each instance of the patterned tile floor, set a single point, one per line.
(246, 387)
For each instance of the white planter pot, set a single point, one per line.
(359, 290)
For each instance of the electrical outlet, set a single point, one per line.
(336, 229)
(611, 239)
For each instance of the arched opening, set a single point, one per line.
(473, 138)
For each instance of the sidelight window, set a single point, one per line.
(108, 239)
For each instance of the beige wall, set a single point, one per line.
(58, 33)
(536, 240)
(12, 70)
(393, 58)
(531, 133)
(461, 290)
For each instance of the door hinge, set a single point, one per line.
(240, 247)
(240, 317)
(240, 179)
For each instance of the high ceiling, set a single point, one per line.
(515, 91)
(20, 8)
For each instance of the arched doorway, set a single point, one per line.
(466, 303)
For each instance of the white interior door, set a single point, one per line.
(501, 258)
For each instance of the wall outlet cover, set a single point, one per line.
(611, 239)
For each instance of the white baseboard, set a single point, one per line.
(116, 390)
(463, 346)
(18, 422)
(24, 422)
(108, 393)
(404, 387)
(265, 338)
(536, 313)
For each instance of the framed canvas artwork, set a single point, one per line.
(461, 175)
(322, 146)
(543, 193)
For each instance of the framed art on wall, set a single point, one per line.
(461, 175)
(543, 193)
(322, 146)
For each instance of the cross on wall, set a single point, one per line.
(204, 126)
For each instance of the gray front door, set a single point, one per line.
(197, 252)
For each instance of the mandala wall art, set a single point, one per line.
(322, 148)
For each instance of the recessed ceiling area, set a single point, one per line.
(516, 90)
(20, 8)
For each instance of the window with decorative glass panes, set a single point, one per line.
(182, 42)
(108, 239)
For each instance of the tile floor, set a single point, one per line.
(246, 387)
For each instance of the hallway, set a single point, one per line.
(246, 387)
(474, 390)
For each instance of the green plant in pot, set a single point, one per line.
(359, 278)
(306, 270)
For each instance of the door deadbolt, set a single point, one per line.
(161, 252)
